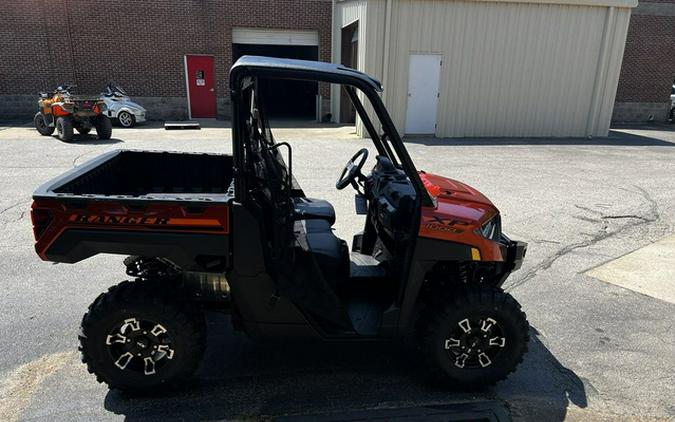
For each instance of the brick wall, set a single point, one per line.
(648, 67)
(139, 44)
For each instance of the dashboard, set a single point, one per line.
(392, 198)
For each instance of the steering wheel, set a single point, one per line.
(352, 170)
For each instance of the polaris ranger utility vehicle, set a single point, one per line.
(63, 111)
(237, 234)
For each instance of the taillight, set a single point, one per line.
(41, 218)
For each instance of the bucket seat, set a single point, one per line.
(314, 209)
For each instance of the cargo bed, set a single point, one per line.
(146, 175)
(146, 203)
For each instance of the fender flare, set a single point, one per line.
(426, 254)
(116, 111)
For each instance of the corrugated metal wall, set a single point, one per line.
(509, 68)
(345, 14)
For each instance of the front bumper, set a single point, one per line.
(140, 117)
(513, 253)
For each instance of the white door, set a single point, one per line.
(423, 93)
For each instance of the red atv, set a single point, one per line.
(237, 234)
(64, 112)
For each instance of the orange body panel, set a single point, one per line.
(459, 213)
(59, 111)
(166, 217)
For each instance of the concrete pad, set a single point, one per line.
(649, 270)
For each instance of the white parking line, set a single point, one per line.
(18, 388)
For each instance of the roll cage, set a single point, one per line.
(243, 78)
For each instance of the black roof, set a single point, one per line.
(299, 69)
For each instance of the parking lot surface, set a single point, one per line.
(599, 351)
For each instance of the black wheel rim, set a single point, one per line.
(41, 122)
(140, 346)
(475, 343)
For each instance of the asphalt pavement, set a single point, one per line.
(599, 351)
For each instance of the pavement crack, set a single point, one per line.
(21, 216)
(13, 206)
(653, 206)
(617, 217)
(651, 216)
(588, 219)
(78, 157)
(548, 262)
(545, 241)
(591, 210)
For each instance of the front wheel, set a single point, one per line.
(474, 339)
(41, 125)
(103, 127)
(126, 119)
(140, 339)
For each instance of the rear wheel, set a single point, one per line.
(139, 339)
(103, 127)
(64, 128)
(126, 119)
(474, 339)
(41, 125)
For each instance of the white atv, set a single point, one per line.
(120, 107)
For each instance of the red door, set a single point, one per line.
(201, 86)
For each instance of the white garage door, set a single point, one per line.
(423, 84)
(274, 37)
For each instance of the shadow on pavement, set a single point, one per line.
(542, 389)
(6, 124)
(615, 138)
(655, 126)
(90, 139)
(242, 379)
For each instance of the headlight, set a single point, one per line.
(492, 228)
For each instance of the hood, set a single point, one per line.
(458, 214)
(445, 188)
(457, 200)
